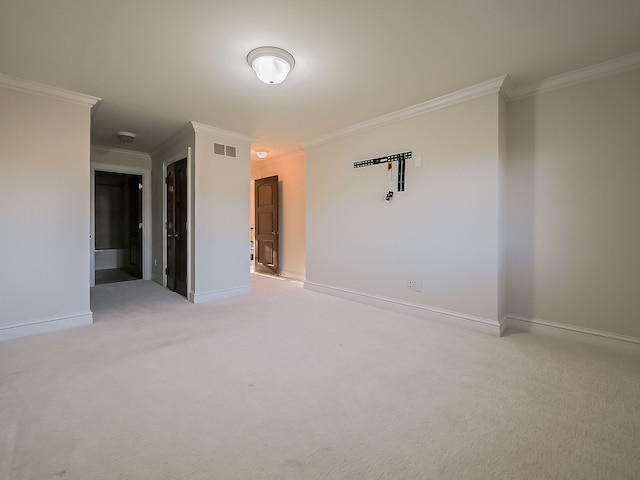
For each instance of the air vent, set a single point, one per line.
(227, 150)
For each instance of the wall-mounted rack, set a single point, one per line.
(398, 157)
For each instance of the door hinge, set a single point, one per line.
(140, 226)
(139, 186)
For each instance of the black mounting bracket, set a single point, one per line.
(398, 157)
(387, 159)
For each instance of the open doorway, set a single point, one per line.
(277, 216)
(118, 227)
(267, 226)
(177, 214)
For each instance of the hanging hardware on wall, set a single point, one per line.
(389, 159)
(401, 164)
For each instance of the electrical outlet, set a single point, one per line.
(415, 285)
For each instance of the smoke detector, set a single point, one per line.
(126, 137)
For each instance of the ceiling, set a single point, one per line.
(158, 65)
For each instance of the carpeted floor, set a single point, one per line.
(112, 275)
(291, 384)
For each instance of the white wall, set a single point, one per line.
(218, 211)
(120, 158)
(503, 155)
(443, 231)
(573, 194)
(44, 192)
(221, 216)
(290, 170)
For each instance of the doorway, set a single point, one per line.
(177, 218)
(290, 170)
(118, 227)
(267, 226)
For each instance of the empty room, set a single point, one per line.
(303, 240)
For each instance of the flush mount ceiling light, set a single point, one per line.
(262, 154)
(126, 137)
(271, 64)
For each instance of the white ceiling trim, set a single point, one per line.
(503, 84)
(47, 91)
(184, 135)
(120, 151)
(450, 99)
(201, 128)
(512, 92)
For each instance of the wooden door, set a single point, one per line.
(170, 268)
(181, 227)
(176, 183)
(267, 226)
(134, 227)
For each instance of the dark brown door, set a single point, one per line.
(134, 261)
(267, 226)
(177, 227)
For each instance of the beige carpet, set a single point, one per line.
(290, 384)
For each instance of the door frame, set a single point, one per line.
(146, 214)
(173, 159)
(276, 195)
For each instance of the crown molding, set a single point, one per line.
(28, 86)
(201, 128)
(599, 70)
(120, 151)
(503, 85)
(185, 133)
(508, 88)
(454, 98)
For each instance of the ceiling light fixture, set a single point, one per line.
(126, 137)
(262, 154)
(271, 64)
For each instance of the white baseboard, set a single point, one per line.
(292, 276)
(503, 326)
(430, 313)
(197, 297)
(584, 335)
(46, 325)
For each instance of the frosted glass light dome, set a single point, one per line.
(271, 64)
